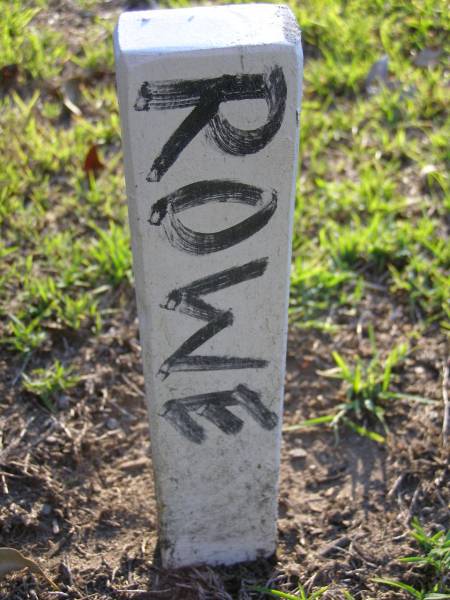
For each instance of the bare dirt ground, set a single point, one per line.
(77, 491)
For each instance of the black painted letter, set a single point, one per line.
(214, 408)
(188, 301)
(206, 95)
(164, 212)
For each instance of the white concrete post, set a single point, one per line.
(209, 100)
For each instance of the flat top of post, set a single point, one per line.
(209, 27)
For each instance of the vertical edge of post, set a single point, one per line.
(140, 284)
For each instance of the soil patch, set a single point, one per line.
(77, 486)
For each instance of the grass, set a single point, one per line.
(369, 388)
(365, 207)
(65, 243)
(300, 594)
(46, 383)
(434, 558)
(371, 209)
(372, 195)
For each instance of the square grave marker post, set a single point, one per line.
(209, 100)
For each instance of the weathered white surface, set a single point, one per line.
(219, 297)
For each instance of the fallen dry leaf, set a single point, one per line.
(92, 163)
(8, 76)
(12, 560)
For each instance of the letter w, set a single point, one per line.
(188, 301)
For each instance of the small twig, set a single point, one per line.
(127, 465)
(143, 546)
(122, 410)
(375, 286)
(133, 386)
(336, 546)
(21, 371)
(140, 591)
(440, 498)
(399, 538)
(44, 435)
(356, 551)
(5, 489)
(446, 422)
(412, 506)
(311, 581)
(397, 485)
(4, 453)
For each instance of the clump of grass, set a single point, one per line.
(24, 336)
(45, 384)
(368, 385)
(435, 557)
(299, 594)
(42, 51)
(355, 216)
(112, 254)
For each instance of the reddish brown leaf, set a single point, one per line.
(92, 163)
(8, 76)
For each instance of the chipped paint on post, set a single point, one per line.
(209, 100)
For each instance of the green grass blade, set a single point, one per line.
(372, 435)
(310, 423)
(275, 593)
(401, 586)
(410, 397)
(412, 559)
(345, 369)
